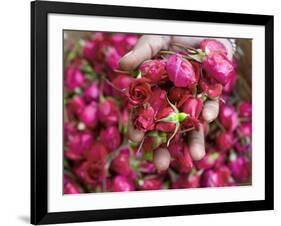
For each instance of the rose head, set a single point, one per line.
(121, 163)
(212, 46)
(182, 160)
(139, 91)
(75, 106)
(165, 126)
(245, 109)
(218, 67)
(208, 161)
(144, 118)
(78, 143)
(176, 94)
(97, 152)
(180, 71)
(122, 82)
(112, 58)
(91, 172)
(121, 183)
(245, 129)
(232, 82)
(92, 92)
(108, 112)
(240, 167)
(153, 70)
(70, 186)
(190, 181)
(193, 107)
(151, 184)
(89, 115)
(147, 168)
(158, 100)
(210, 87)
(111, 137)
(228, 117)
(225, 141)
(74, 78)
(216, 177)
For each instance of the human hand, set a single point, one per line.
(147, 47)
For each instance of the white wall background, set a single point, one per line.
(15, 113)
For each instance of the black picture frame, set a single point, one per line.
(39, 112)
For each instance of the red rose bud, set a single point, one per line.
(112, 58)
(108, 112)
(208, 161)
(176, 94)
(121, 183)
(89, 115)
(225, 141)
(75, 106)
(111, 137)
(212, 46)
(78, 144)
(150, 184)
(144, 119)
(91, 172)
(121, 163)
(228, 117)
(245, 129)
(162, 125)
(153, 70)
(219, 67)
(139, 91)
(240, 167)
(74, 78)
(97, 152)
(92, 92)
(70, 186)
(182, 160)
(210, 87)
(245, 109)
(161, 159)
(158, 100)
(180, 72)
(192, 107)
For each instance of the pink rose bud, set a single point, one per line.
(108, 112)
(92, 92)
(147, 168)
(121, 183)
(230, 85)
(216, 177)
(225, 141)
(97, 152)
(192, 180)
(245, 129)
(89, 49)
(151, 184)
(74, 78)
(181, 72)
(161, 159)
(228, 117)
(121, 163)
(245, 109)
(219, 67)
(154, 70)
(193, 107)
(89, 115)
(77, 145)
(240, 167)
(212, 46)
(208, 161)
(111, 137)
(112, 58)
(70, 186)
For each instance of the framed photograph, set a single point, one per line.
(144, 112)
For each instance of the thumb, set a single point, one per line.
(146, 47)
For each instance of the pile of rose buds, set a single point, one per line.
(128, 131)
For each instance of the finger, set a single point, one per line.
(197, 144)
(134, 135)
(146, 47)
(210, 110)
